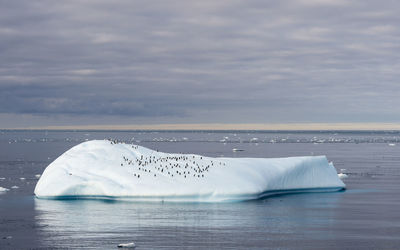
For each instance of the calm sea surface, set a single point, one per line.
(365, 216)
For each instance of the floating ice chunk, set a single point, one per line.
(2, 178)
(38, 175)
(342, 176)
(100, 169)
(3, 189)
(22, 178)
(237, 149)
(127, 245)
(392, 144)
(14, 187)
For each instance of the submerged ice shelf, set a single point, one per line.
(105, 169)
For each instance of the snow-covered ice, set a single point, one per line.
(127, 245)
(3, 189)
(105, 169)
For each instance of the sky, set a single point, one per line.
(154, 62)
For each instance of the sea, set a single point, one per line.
(364, 216)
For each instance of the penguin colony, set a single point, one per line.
(179, 166)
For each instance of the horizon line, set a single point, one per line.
(223, 126)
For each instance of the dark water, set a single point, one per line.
(365, 216)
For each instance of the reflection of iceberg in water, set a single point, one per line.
(104, 169)
(105, 224)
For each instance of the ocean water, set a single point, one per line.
(364, 216)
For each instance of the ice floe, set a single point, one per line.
(108, 169)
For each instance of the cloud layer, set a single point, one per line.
(84, 62)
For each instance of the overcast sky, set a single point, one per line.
(147, 62)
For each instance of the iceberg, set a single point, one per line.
(127, 245)
(103, 169)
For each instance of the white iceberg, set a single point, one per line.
(105, 169)
(127, 245)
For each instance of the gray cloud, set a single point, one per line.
(207, 61)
